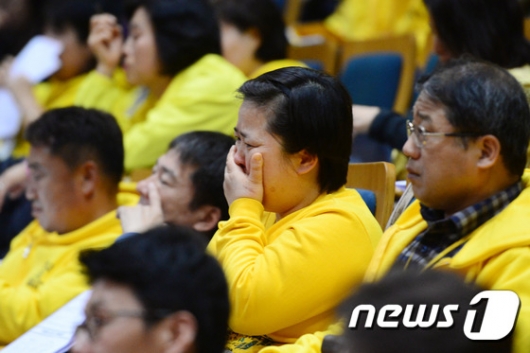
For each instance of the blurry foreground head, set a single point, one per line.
(154, 292)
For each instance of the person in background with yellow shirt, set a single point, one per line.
(181, 83)
(253, 36)
(74, 167)
(362, 20)
(68, 22)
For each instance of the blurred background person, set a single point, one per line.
(181, 83)
(253, 35)
(490, 30)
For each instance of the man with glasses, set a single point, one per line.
(467, 157)
(154, 292)
(467, 154)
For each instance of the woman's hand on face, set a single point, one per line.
(238, 184)
(106, 42)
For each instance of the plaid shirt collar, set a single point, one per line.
(443, 231)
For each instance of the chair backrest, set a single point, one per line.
(378, 72)
(379, 177)
(291, 11)
(393, 47)
(324, 54)
(527, 28)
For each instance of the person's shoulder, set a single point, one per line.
(211, 68)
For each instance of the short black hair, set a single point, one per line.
(483, 99)
(492, 30)
(185, 31)
(307, 109)
(205, 152)
(415, 288)
(261, 15)
(77, 135)
(76, 14)
(167, 269)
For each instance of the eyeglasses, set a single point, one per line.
(93, 324)
(419, 135)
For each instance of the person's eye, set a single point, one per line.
(164, 181)
(36, 176)
(96, 321)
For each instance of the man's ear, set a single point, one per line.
(88, 176)
(180, 332)
(254, 33)
(490, 150)
(305, 162)
(207, 218)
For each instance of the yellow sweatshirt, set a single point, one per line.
(497, 256)
(201, 97)
(286, 278)
(41, 271)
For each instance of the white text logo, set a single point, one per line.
(498, 320)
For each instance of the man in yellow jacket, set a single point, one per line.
(467, 153)
(74, 167)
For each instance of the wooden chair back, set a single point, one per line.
(325, 53)
(291, 11)
(379, 177)
(405, 46)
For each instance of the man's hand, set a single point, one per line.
(143, 216)
(106, 42)
(237, 184)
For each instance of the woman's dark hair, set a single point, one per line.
(260, 15)
(309, 110)
(492, 30)
(185, 31)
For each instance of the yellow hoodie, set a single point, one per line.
(41, 271)
(497, 256)
(286, 278)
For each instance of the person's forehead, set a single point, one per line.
(427, 110)
(41, 156)
(107, 294)
(171, 163)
